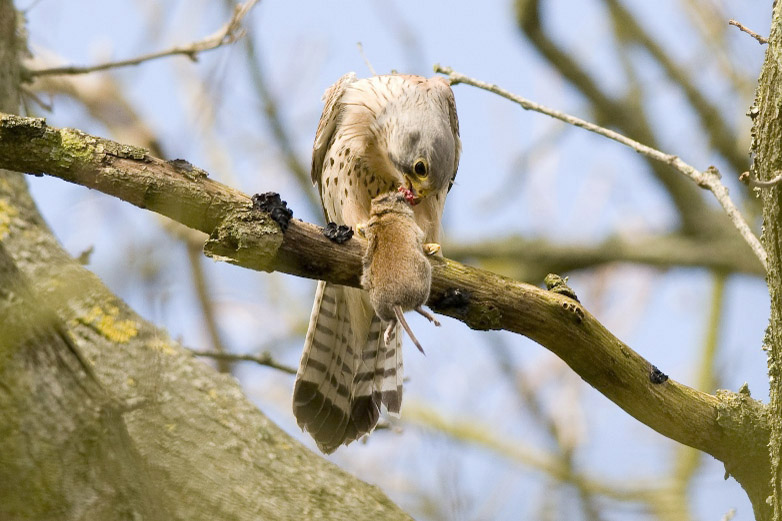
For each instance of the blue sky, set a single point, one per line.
(520, 173)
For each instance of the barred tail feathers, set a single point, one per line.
(339, 389)
(322, 393)
(391, 370)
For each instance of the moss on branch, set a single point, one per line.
(733, 431)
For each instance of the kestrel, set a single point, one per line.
(375, 135)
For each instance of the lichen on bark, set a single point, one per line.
(767, 152)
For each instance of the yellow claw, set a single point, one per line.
(430, 248)
(361, 230)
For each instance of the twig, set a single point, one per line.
(277, 125)
(761, 39)
(708, 179)
(719, 133)
(747, 178)
(204, 298)
(227, 34)
(262, 359)
(472, 431)
(364, 57)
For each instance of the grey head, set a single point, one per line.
(420, 143)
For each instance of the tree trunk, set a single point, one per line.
(102, 416)
(767, 149)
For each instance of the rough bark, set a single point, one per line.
(141, 430)
(197, 448)
(731, 427)
(767, 148)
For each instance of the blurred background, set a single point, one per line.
(493, 426)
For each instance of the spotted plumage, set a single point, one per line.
(375, 135)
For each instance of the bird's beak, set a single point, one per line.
(417, 193)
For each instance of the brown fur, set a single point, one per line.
(396, 273)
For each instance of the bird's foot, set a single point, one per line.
(432, 248)
(361, 230)
(338, 233)
(271, 203)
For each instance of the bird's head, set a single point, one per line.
(422, 148)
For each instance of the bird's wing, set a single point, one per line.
(443, 89)
(328, 123)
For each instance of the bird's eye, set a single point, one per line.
(420, 168)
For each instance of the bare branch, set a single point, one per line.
(747, 178)
(532, 259)
(622, 111)
(264, 359)
(761, 39)
(720, 135)
(227, 34)
(708, 179)
(277, 125)
(470, 431)
(729, 426)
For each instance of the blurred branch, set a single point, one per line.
(721, 136)
(708, 18)
(471, 431)
(532, 259)
(686, 459)
(626, 116)
(227, 34)
(264, 359)
(731, 427)
(566, 445)
(761, 40)
(103, 98)
(279, 130)
(708, 179)
(204, 298)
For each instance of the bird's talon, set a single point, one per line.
(431, 248)
(361, 230)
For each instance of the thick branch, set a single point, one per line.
(729, 427)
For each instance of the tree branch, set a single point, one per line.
(620, 111)
(731, 427)
(708, 179)
(721, 136)
(471, 431)
(767, 161)
(264, 359)
(227, 34)
(532, 259)
(761, 39)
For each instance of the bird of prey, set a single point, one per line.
(375, 135)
